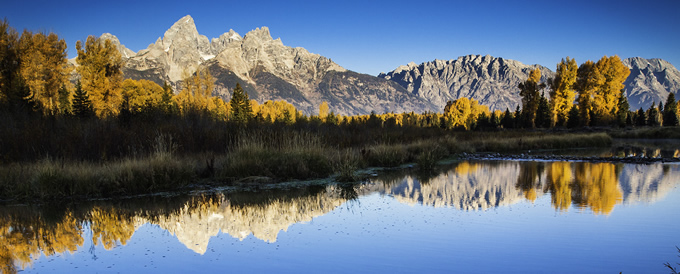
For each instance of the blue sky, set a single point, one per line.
(374, 36)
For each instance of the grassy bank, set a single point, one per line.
(258, 155)
(647, 133)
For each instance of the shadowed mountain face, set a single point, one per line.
(267, 69)
(489, 80)
(493, 81)
(650, 81)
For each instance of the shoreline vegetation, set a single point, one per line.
(102, 136)
(268, 154)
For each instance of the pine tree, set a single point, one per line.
(241, 111)
(641, 118)
(653, 118)
(573, 120)
(623, 108)
(543, 113)
(65, 106)
(82, 107)
(670, 112)
(507, 121)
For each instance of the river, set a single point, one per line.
(476, 216)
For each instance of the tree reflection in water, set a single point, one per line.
(27, 232)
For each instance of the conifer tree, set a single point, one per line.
(573, 120)
(543, 113)
(670, 112)
(641, 118)
(653, 118)
(241, 112)
(623, 109)
(507, 121)
(82, 107)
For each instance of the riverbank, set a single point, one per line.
(256, 157)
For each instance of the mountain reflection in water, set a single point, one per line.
(28, 232)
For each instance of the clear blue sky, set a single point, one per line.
(373, 36)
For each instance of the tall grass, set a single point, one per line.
(55, 158)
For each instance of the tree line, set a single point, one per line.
(34, 78)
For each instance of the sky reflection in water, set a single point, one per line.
(470, 217)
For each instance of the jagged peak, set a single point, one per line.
(185, 25)
(261, 33)
(125, 52)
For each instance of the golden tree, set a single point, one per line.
(43, 68)
(100, 68)
(562, 91)
(196, 92)
(613, 74)
(323, 110)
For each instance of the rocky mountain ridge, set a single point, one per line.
(269, 70)
(493, 80)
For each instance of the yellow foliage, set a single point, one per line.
(613, 74)
(44, 68)
(598, 186)
(560, 176)
(277, 111)
(101, 75)
(463, 112)
(535, 75)
(110, 227)
(562, 93)
(196, 93)
(323, 110)
(142, 94)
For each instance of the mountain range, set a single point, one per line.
(269, 70)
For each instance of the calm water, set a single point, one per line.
(470, 217)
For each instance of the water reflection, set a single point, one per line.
(27, 233)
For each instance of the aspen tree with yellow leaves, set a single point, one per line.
(43, 68)
(613, 75)
(562, 91)
(100, 68)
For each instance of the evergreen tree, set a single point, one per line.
(670, 113)
(166, 98)
(82, 106)
(517, 117)
(65, 101)
(507, 121)
(623, 109)
(641, 118)
(573, 120)
(653, 118)
(543, 113)
(241, 111)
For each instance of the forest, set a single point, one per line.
(85, 131)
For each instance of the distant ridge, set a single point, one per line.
(269, 70)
